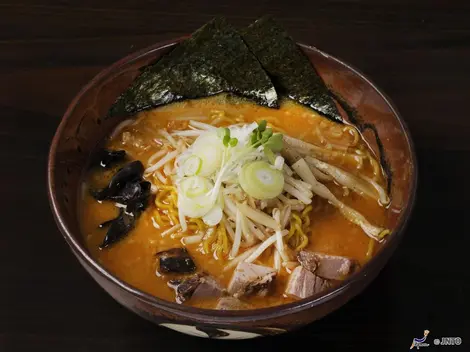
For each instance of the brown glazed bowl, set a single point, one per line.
(83, 127)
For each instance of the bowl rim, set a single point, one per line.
(212, 315)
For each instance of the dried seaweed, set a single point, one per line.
(288, 67)
(213, 60)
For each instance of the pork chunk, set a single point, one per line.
(332, 267)
(303, 283)
(197, 286)
(208, 287)
(251, 279)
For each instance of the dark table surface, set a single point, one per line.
(417, 51)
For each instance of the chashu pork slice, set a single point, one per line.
(303, 283)
(251, 279)
(332, 267)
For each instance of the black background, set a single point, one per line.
(418, 52)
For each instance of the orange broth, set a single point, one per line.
(133, 259)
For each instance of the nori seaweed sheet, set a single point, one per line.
(289, 68)
(213, 60)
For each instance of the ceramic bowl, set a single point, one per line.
(83, 127)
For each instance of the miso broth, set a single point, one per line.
(133, 258)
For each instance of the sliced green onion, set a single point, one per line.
(209, 149)
(192, 165)
(195, 186)
(261, 181)
(192, 196)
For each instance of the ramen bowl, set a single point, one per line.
(83, 127)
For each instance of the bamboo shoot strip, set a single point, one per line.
(377, 233)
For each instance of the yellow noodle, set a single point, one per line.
(225, 244)
(296, 236)
(297, 217)
(173, 217)
(375, 166)
(193, 227)
(217, 242)
(336, 131)
(174, 198)
(166, 199)
(306, 222)
(160, 221)
(291, 237)
(159, 200)
(164, 187)
(296, 240)
(351, 130)
(199, 223)
(209, 240)
(291, 233)
(302, 238)
(306, 216)
(173, 205)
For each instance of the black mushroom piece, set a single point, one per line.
(107, 158)
(128, 189)
(200, 285)
(134, 195)
(130, 173)
(118, 228)
(176, 261)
